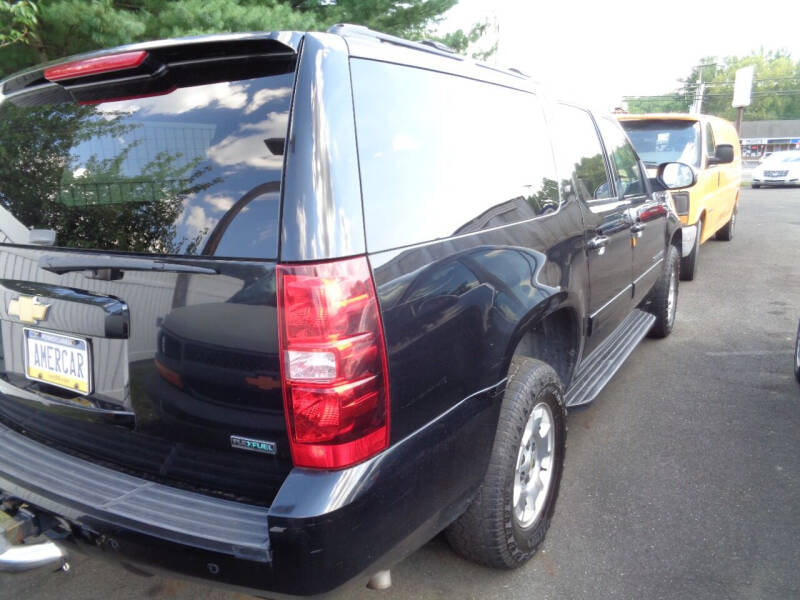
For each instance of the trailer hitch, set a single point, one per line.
(18, 524)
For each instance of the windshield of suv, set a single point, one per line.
(661, 141)
(195, 170)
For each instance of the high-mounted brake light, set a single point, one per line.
(95, 66)
(333, 363)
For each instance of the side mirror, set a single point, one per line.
(722, 155)
(676, 175)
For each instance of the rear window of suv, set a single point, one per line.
(443, 155)
(195, 171)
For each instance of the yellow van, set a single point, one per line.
(711, 146)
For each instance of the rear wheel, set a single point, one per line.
(510, 514)
(663, 301)
(726, 233)
(756, 186)
(689, 263)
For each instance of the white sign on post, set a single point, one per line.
(742, 86)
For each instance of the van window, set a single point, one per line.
(623, 157)
(664, 140)
(167, 174)
(443, 155)
(580, 153)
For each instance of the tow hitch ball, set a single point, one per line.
(18, 524)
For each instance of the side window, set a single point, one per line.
(623, 157)
(580, 154)
(710, 147)
(443, 155)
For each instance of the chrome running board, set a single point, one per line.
(599, 367)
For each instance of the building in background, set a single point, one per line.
(760, 138)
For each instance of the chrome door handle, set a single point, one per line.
(597, 242)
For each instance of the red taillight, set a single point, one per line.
(333, 362)
(95, 66)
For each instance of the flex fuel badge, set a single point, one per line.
(243, 443)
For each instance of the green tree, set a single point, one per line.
(677, 102)
(17, 21)
(411, 18)
(776, 87)
(66, 27)
(460, 40)
(775, 94)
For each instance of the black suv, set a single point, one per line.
(278, 308)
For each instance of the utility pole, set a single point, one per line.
(697, 105)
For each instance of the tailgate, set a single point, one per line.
(139, 222)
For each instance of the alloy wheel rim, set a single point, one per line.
(671, 297)
(534, 470)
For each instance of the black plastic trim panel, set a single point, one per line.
(87, 493)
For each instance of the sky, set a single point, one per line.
(595, 52)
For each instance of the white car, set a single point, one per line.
(781, 168)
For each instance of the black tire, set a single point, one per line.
(489, 532)
(755, 186)
(797, 355)
(726, 233)
(689, 263)
(659, 300)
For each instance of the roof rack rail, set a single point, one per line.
(438, 45)
(431, 46)
(505, 70)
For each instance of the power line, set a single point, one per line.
(687, 96)
(762, 94)
(689, 89)
(756, 82)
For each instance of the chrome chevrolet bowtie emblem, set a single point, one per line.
(28, 309)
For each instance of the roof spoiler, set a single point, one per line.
(138, 66)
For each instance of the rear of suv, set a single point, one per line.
(278, 308)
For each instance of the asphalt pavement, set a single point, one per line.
(682, 478)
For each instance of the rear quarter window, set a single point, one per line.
(442, 155)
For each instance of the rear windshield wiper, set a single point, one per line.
(111, 267)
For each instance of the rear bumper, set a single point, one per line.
(86, 493)
(324, 528)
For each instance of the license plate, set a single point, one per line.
(60, 360)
